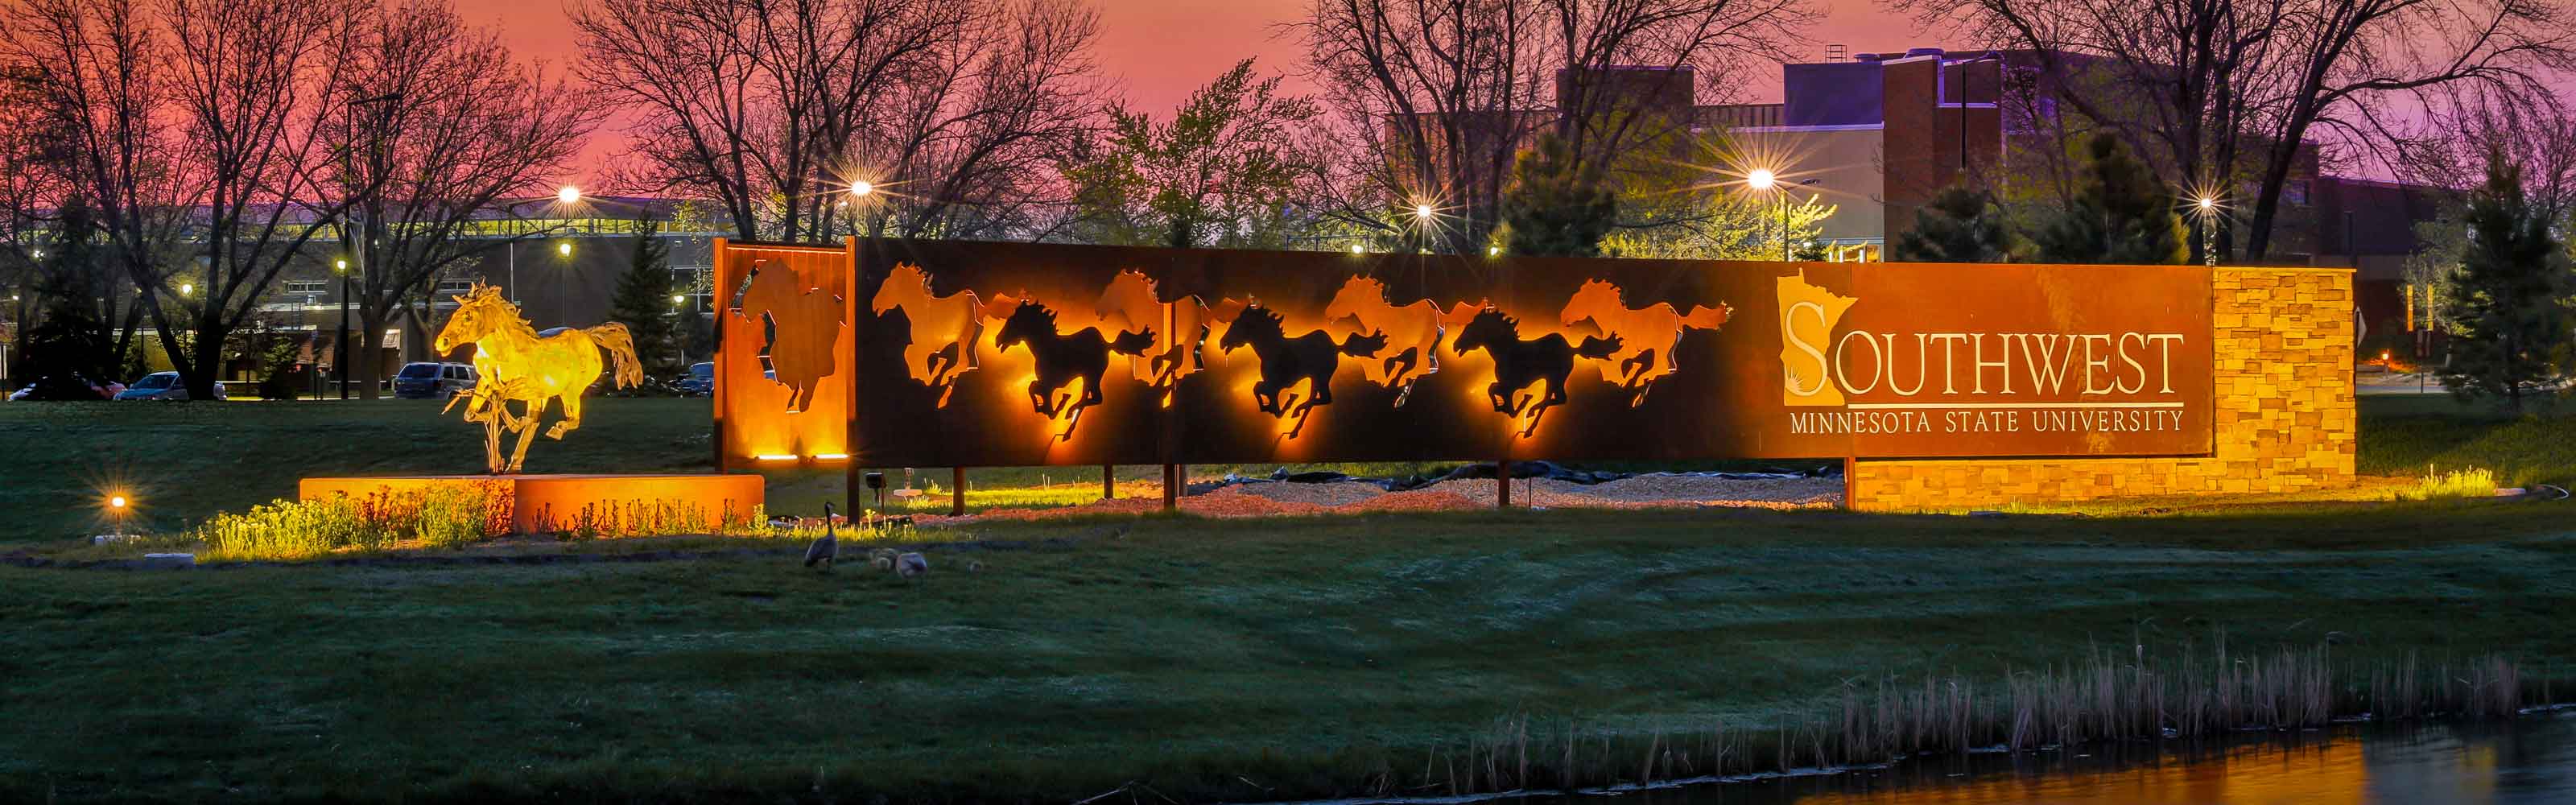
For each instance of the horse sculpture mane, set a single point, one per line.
(516, 364)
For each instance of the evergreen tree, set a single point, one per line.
(69, 347)
(2121, 214)
(1555, 209)
(1961, 225)
(2506, 301)
(643, 304)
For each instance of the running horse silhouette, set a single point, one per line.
(1286, 362)
(800, 349)
(1062, 360)
(1131, 304)
(1544, 362)
(1413, 331)
(517, 364)
(1647, 352)
(940, 342)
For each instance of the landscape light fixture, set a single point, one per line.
(568, 195)
(117, 506)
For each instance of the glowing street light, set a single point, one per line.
(1357, 248)
(340, 266)
(1423, 211)
(1493, 251)
(568, 195)
(676, 299)
(2205, 207)
(117, 508)
(861, 189)
(1762, 180)
(187, 288)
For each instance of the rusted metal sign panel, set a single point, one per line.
(989, 354)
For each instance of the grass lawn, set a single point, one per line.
(184, 462)
(1242, 660)
(1195, 659)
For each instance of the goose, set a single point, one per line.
(824, 547)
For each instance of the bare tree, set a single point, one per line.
(774, 108)
(444, 131)
(195, 128)
(2223, 93)
(1440, 95)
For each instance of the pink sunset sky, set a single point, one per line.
(1158, 50)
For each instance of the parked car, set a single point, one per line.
(161, 386)
(434, 381)
(699, 382)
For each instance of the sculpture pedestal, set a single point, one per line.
(546, 503)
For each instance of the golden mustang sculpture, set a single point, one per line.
(514, 363)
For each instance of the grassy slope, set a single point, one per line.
(185, 462)
(1185, 655)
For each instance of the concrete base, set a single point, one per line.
(613, 504)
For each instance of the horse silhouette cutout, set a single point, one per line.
(1648, 334)
(799, 352)
(939, 344)
(1308, 359)
(1412, 333)
(1544, 362)
(1069, 367)
(517, 364)
(1181, 325)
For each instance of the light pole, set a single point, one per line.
(340, 354)
(2205, 208)
(563, 282)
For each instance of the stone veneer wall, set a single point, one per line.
(2283, 419)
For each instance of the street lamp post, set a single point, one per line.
(2207, 208)
(563, 283)
(340, 354)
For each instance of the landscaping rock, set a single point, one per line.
(167, 561)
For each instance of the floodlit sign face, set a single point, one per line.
(989, 354)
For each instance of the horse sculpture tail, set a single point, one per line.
(621, 352)
(1707, 318)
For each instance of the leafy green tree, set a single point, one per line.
(1556, 208)
(2507, 300)
(2121, 213)
(643, 303)
(1224, 172)
(1962, 225)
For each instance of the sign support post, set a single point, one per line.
(957, 492)
(1108, 481)
(1503, 484)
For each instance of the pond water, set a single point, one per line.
(2529, 760)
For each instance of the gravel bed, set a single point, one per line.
(1271, 499)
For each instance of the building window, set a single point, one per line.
(2295, 192)
(307, 287)
(455, 286)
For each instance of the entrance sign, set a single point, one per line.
(994, 354)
